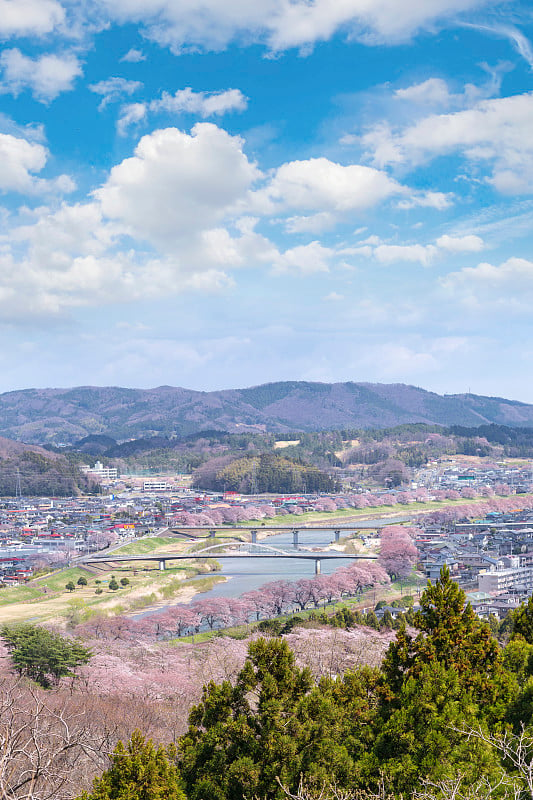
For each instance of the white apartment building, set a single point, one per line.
(502, 580)
(101, 472)
(156, 486)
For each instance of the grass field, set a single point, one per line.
(47, 599)
(150, 545)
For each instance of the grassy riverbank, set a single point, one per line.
(48, 600)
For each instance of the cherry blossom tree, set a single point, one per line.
(213, 611)
(398, 553)
(279, 594)
(254, 512)
(325, 504)
(360, 501)
(184, 618)
(268, 511)
(452, 494)
(502, 489)
(301, 592)
(229, 514)
(257, 603)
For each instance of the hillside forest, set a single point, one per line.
(252, 462)
(244, 461)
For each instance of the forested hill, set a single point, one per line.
(38, 471)
(67, 415)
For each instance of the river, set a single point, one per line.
(245, 575)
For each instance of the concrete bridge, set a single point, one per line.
(338, 530)
(211, 552)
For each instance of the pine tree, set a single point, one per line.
(274, 723)
(139, 771)
(452, 635)
(522, 621)
(41, 655)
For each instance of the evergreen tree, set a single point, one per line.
(421, 735)
(272, 724)
(139, 771)
(452, 635)
(41, 655)
(521, 621)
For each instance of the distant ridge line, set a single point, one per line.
(66, 415)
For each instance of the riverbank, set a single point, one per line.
(352, 515)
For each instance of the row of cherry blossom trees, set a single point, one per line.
(234, 514)
(272, 599)
(480, 510)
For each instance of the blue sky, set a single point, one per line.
(218, 194)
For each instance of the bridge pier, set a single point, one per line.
(317, 566)
(162, 564)
(295, 538)
(212, 534)
(337, 536)
(254, 537)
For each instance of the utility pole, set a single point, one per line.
(253, 487)
(18, 487)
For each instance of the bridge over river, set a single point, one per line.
(220, 551)
(211, 531)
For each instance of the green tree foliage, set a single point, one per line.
(422, 731)
(124, 582)
(452, 635)
(520, 621)
(41, 475)
(266, 473)
(272, 723)
(436, 710)
(113, 585)
(70, 586)
(44, 656)
(139, 771)
(82, 581)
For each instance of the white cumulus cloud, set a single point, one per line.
(184, 101)
(29, 17)
(507, 286)
(177, 184)
(212, 25)
(130, 114)
(319, 184)
(205, 104)
(461, 244)
(496, 132)
(20, 160)
(133, 56)
(305, 259)
(46, 76)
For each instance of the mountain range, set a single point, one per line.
(63, 416)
